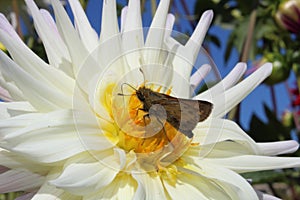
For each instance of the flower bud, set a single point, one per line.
(288, 15)
(287, 119)
(280, 71)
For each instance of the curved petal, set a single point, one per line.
(146, 185)
(250, 163)
(122, 187)
(234, 185)
(211, 132)
(277, 148)
(86, 178)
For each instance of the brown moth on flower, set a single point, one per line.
(182, 114)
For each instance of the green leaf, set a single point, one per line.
(272, 130)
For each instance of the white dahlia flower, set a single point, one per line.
(75, 128)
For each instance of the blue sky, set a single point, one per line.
(252, 103)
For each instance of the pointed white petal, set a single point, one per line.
(156, 32)
(147, 185)
(47, 30)
(232, 78)
(30, 62)
(109, 26)
(87, 34)
(277, 148)
(195, 42)
(234, 95)
(132, 36)
(169, 25)
(123, 17)
(40, 95)
(250, 163)
(199, 75)
(77, 50)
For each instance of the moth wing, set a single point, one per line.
(177, 106)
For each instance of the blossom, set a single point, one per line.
(75, 128)
(288, 15)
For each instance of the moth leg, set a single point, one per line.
(165, 132)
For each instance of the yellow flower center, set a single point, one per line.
(156, 143)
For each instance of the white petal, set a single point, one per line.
(13, 161)
(39, 94)
(156, 33)
(15, 93)
(19, 180)
(234, 95)
(4, 95)
(76, 48)
(109, 25)
(232, 78)
(184, 189)
(85, 178)
(149, 187)
(199, 75)
(132, 37)
(87, 34)
(9, 109)
(47, 30)
(187, 55)
(122, 187)
(217, 130)
(250, 163)
(194, 44)
(277, 148)
(30, 62)
(169, 25)
(44, 138)
(123, 17)
(49, 192)
(235, 185)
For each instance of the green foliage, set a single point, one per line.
(272, 130)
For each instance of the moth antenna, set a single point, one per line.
(127, 85)
(141, 70)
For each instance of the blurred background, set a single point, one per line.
(253, 31)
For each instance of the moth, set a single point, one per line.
(182, 114)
